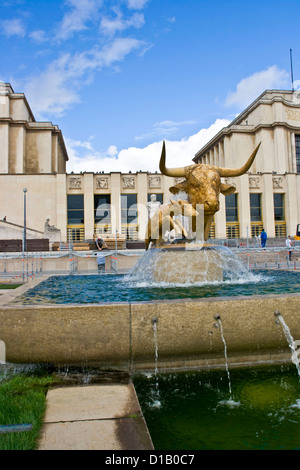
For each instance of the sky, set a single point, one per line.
(120, 76)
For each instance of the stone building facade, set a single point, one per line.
(33, 156)
(268, 196)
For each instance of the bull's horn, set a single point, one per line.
(239, 171)
(175, 172)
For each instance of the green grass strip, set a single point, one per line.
(9, 286)
(22, 401)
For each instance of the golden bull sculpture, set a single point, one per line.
(203, 185)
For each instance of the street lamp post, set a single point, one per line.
(24, 232)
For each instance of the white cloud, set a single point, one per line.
(136, 4)
(57, 88)
(75, 20)
(179, 153)
(38, 36)
(13, 27)
(249, 88)
(112, 26)
(50, 92)
(165, 128)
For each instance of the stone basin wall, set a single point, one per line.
(121, 335)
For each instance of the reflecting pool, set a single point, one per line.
(85, 289)
(192, 410)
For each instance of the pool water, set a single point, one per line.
(192, 410)
(84, 289)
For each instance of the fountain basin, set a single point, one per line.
(120, 335)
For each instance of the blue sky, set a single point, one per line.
(119, 76)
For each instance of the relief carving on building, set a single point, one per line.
(74, 182)
(154, 182)
(293, 114)
(277, 182)
(101, 182)
(128, 182)
(254, 182)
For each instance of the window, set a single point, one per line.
(102, 214)
(128, 208)
(256, 214)
(297, 143)
(255, 207)
(102, 208)
(232, 216)
(75, 209)
(129, 216)
(279, 215)
(232, 208)
(279, 212)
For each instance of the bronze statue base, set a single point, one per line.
(187, 263)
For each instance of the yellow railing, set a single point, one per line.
(130, 231)
(212, 231)
(232, 230)
(256, 228)
(75, 233)
(280, 229)
(102, 229)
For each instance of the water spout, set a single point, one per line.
(217, 317)
(156, 401)
(292, 344)
(229, 402)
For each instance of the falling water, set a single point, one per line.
(234, 271)
(229, 402)
(292, 344)
(156, 401)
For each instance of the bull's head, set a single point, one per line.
(203, 184)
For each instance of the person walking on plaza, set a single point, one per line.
(288, 244)
(263, 238)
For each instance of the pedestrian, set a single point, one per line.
(263, 238)
(288, 244)
(100, 262)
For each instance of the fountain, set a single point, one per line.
(192, 256)
(184, 283)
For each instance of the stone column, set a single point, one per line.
(244, 207)
(88, 184)
(115, 184)
(268, 205)
(220, 219)
(291, 204)
(142, 187)
(4, 148)
(61, 205)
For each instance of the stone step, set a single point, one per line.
(94, 417)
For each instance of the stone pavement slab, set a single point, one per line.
(94, 417)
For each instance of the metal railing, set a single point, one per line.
(26, 266)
